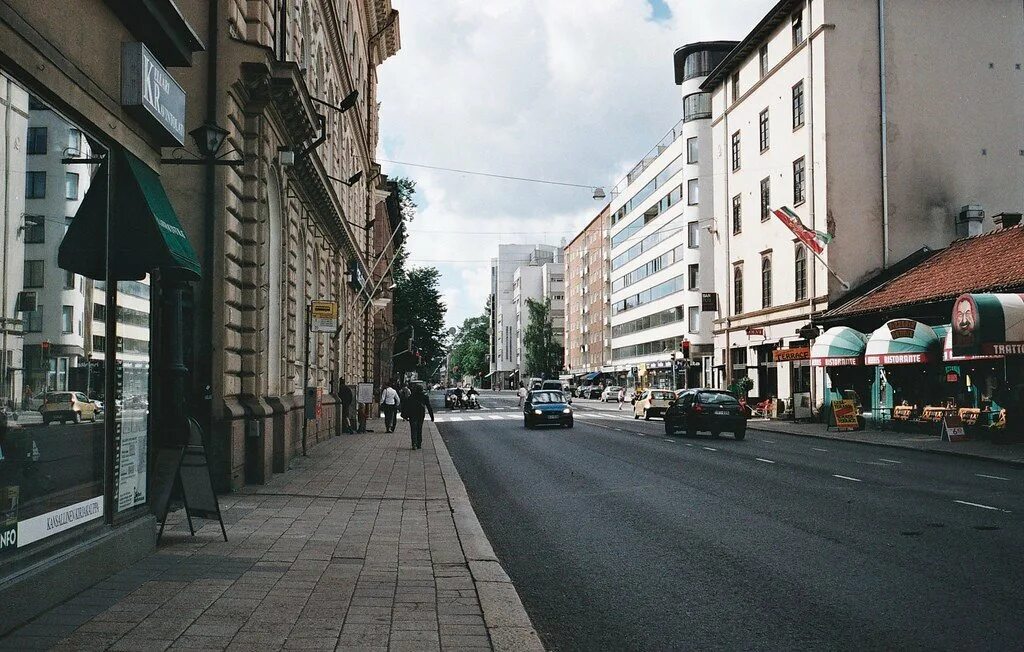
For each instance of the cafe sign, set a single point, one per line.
(792, 355)
(150, 93)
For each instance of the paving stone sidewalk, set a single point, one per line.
(979, 449)
(364, 544)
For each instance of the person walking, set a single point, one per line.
(415, 409)
(346, 407)
(622, 396)
(389, 403)
(522, 394)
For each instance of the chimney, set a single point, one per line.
(968, 223)
(1007, 220)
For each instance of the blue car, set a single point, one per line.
(547, 407)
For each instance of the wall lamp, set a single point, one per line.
(209, 138)
(347, 103)
(352, 180)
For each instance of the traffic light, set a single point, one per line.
(686, 349)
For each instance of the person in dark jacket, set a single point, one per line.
(415, 409)
(346, 407)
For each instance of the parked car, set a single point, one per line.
(709, 410)
(67, 406)
(582, 391)
(653, 403)
(610, 393)
(547, 407)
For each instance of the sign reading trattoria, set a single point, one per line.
(149, 91)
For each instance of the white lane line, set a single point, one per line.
(639, 433)
(994, 509)
(475, 418)
(496, 416)
(690, 445)
(882, 459)
(768, 441)
(820, 450)
(455, 419)
(991, 477)
(668, 439)
(761, 459)
(846, 477)
(708, 448)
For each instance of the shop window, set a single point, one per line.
(71, 186)
(36, 140)
(35, 185)
(34, 273)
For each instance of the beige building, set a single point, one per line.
(587, 335)
(878, 142)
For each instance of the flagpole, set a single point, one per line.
(846, 286)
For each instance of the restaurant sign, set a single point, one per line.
(897, 358)
(151, 94)
(988, 324)
(708, 302)
(792, 355)
(755, 331)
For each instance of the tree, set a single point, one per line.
(419, 313)
(544, 356)
(472, 344)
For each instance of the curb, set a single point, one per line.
(507, 622)
(1018, 463)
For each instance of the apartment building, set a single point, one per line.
(540, 283)
(587, 329)
(867, 126)
(660, 255)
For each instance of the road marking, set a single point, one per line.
(455, 419)
(708, 448)
(475, 418)
(639, 433)
(761, 459)
(820, 450)
(768, 441)
(994, 509)
(991, 477)
(497, 416)
(846, 477)
(669, 439)
(690, 445)
(882, 459)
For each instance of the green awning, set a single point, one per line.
(147, 233)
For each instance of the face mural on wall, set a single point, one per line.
(965, 323)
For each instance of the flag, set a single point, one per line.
(816, 240)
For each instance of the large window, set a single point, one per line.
(71, 186)
(641, 195)
(762, 59)
(34, 270)
(696, 106)
(800, 272)
(693, 235)
(692, 192)
(673, 196)
(666, 230)
(700, 63)
(665, 317)
(35, 229)
(692, 150)
(652, 267)
(659, 291)
(67, 319)
(766, 198)
(34, 320)
(693, 319)
(35, 185)
(737, 288)
(736, 151)
(36, 141)
(737, 214)
(693, 277)
(799, 181)
(798, 105)
(74, 142)
(766, 281)
(798, 28)
(762, 130)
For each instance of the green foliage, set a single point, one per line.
(741, 386)
(472, 344)
(544, 355)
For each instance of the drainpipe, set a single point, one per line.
(6, 251)
(729, 269)
(884, 133)
(812, 284)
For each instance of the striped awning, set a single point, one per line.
(947, 348)
(902, 341)
(988, 324)
(840, 346)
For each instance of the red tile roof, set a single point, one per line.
(986, 263)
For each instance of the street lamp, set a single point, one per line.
(208, 138)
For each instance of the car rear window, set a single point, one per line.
(663, 396)
(718, 398)
(548, 397)
(59, 397)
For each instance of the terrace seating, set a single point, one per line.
(903, 413)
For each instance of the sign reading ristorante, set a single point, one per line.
(149, 91)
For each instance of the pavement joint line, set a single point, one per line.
(994, 509)
(761, 459)
(991, 477)
(846, 477)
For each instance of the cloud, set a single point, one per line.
(574, 91)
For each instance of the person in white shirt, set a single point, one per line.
(389, 402)
(522, 394)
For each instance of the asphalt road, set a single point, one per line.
(620, 538)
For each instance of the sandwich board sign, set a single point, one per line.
(953, 428)
(323, 316)
(845, 414)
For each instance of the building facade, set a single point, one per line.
(542, 283)
(865, 146)
(587, 336)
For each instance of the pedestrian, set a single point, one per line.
(415, 409)
(522, 394)
(346, 407)
(389, 401)
(405, 392)
(622, 396)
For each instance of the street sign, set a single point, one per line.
(953, 429)
(708, 302)
(323, 316)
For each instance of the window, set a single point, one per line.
(766, 281)
(35, 105)
(736, 151)
(737, 214)
(34, 320)
(798, 105)
(692, 192)
(36, 141)
(762, 56)
(33, 274)
(67, 319)
(735, 86)
(692, 235)
(800, 272)
(737, 288)
(762, 130)
(74, 142)
(691, 150)
(766, 198)
(693, 277)
(35, 229)
(69, 280)
(693, 319)
(71, 186)
(696, 106)
(798, 28)
(799, 181)
(35, 185)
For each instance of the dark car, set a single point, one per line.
(709, 410)
(547, 407)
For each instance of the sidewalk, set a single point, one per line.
(980, 449)
(365, 544)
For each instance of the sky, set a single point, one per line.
(574, 91)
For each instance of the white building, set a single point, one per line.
(540, 283)
(877, 142)
(660, 257)
(13, 126)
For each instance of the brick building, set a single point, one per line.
(587, 334)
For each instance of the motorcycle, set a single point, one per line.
(472, 402)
